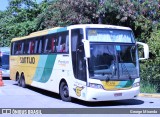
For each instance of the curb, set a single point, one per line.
(149, 95)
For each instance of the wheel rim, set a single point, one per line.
(65, 91)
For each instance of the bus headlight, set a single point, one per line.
(137, 84)
(96, 86)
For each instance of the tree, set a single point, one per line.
(19, 19)
(68, 12)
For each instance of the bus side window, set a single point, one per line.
(26, 47)
(22, 48)
(52, 45)
(45, 45)
(67, 44)
(40, 46)
(35, 46)
(13, 47)
(18, 48)
(63, 42)
(31, 49)
(59, 46)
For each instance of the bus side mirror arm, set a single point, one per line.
(145, 49)
(86, 48)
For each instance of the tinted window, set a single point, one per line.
(53, 43)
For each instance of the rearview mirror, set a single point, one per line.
(145, 50)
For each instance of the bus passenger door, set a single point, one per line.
(81, 64)
(78, 63)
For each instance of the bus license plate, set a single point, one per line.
(117, 94)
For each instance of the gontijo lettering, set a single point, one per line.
(28, 60)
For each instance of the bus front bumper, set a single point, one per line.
(104, 95)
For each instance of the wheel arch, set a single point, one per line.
(22, 73)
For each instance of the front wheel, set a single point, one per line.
(64, 92)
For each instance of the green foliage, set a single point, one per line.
(19, 19)
(147, 19)
(141, 17)
(68, 12)
(147, 87)
(119, 12)
(150, 70)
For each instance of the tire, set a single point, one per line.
(22, 81)
(64, 92)
(18, 80)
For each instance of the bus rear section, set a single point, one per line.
(4, 61)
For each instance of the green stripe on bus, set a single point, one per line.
(57, 30)
(121, 84)
(125, 84)
(48, 68)
(40, 67)
(129, 83)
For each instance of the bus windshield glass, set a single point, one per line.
(113, 61)
(109, 35)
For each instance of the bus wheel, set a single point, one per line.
(18, 80)
(64, 92)
(22, 81)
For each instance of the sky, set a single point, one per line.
(4, 4)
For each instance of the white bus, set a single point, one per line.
(4, 61)
(89, 62)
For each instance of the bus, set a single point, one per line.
(90, 62)
(4, 61)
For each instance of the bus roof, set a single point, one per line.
(98, 26)
(34, 34)
(60, 29)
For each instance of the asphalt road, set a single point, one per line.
(13, 96)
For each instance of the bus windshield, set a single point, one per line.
(109, 35)
(113, 61)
